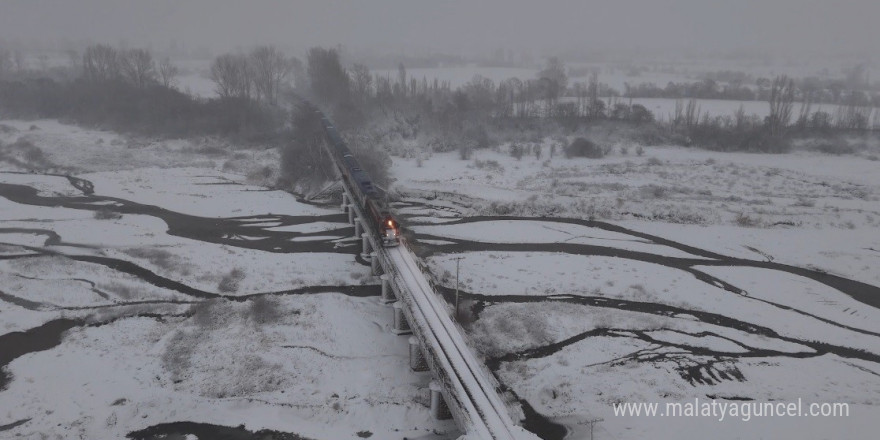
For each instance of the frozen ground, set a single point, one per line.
(677, 275)
(163, 284)
(167, 270)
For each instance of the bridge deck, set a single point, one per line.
(468, 389)
(480, 409)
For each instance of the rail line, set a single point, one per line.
(470, 391)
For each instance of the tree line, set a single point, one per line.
(128, 90)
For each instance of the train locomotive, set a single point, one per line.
(370, 199)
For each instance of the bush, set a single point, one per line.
(107, 214)
(746, 221)
(229, 282)
(265, 310)
(465, 151)
(581, 147)
(489, 165)
(151, 110)
(516, 151)
(837, 148)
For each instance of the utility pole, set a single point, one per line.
(593, 422)
(457, 264)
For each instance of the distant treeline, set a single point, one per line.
(825, 92)
(128, 91)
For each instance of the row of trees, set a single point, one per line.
(11, 61)
(127, 90)
(260, 74)
(102, 64)
(804, 90)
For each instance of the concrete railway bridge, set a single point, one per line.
(461, 386)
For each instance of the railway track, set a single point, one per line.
(480, 410)
(470, 391)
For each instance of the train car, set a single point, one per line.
(366, 195)
(386, 227)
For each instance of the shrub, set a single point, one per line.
(158, 257)
(229, 283)
(640, 151)
(654, 191)
(836, 148)
(581, 147)
(265, 310)
(106, 214)
(746, 221)
(489, 165)
(516, 151)
(465, 151)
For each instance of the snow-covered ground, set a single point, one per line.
(676, 275)
(182, 295)
(660, 277)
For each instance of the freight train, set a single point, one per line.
(370, 199)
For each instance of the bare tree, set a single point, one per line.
(804, 113)
(781, 99)
(854, 115)
(300, 78)
(74, 60)
(597, 107)
(327, 78)
(361, 81)
(232, 75)
(401, 79)
(167, 72)
(553, 82)
(137, 67)
(5, 61)
(270, 68)
(506, 96)
(18, 58)
(100, 63)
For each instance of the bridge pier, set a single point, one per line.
(350, 215)
(357, 227)
(366, 249)
(344, 201)
(417, 361)
(401, 327)
(387, 292)
(439, 409)
(374, 264)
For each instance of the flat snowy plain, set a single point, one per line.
(675, 275)
(175, 287)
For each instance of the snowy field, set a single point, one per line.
(675, 275)
(169, 270)
(164, 284)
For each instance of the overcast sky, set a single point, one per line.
(454, 26)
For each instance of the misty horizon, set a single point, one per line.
(572, 29)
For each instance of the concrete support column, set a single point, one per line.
(358, 225)
(345, 201)
(350, 215)
(401, 327)
(366, 249)
(439, 409)
(417, 360)
(387, 292)
(374, 264)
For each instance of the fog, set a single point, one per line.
(778, 27)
